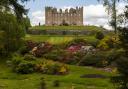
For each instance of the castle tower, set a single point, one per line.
(72, 16)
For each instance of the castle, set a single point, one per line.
(72, 16)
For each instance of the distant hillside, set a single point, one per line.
(66, 28)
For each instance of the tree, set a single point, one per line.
(12, 34)
(122, 63)
(11, 26)
(26, 22)
(13, 5)
(112, 11)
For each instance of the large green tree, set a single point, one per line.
(13, 5)
(12, 25)
(111, 6)
(122, 63)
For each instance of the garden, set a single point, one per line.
(39, 58)
(75, 63)
(57, 62)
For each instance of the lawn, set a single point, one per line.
(56, 39)
(66, 28)
(10, 80)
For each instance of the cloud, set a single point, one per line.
(93, 15)
(38, 17)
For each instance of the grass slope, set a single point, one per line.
(56, 39)
(66, 28)
(10, 80)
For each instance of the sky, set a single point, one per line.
(94, 12)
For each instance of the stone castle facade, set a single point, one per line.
(72, 16)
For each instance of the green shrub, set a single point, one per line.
(77, 41)
(29, 57)
(121, 80)
(50, 67)
(109, 42)
(59, 55)
(106, 43)
(23, 50)
(16, 60)
(53, 68)
(28, 64)
(99, 35)
(25, 67)
(54, 55)
(97, 60)
(113, 55)
(22, 66)
(94, 43)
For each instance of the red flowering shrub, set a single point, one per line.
(74, 48)
(42, 49)
(38, 48)
(31, 44)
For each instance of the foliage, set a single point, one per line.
(11, 25)
(29, 57)
(23, 50)
(77, 41)
(109, 42)
(55, 55)
(20, 65)
(112, 11)
(121, 80)
(99, 35)
(28, 64)
(25, 67)
(38, 49)
(113, 55)
(41, 50)
(97, 60)
(64, 56)
(31, 44)
(18, 8)
(50, 67)
(26, 23)
(12, 32)
(94, 43)
(123, 18)
(122, 63)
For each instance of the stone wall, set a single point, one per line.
(72, 16)
(61, 32)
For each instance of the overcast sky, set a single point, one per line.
(94, 12)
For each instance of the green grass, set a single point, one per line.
(66, 28)
(56, 39)
(10, 80)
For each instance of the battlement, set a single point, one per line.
(72, 16)
(71, 10)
